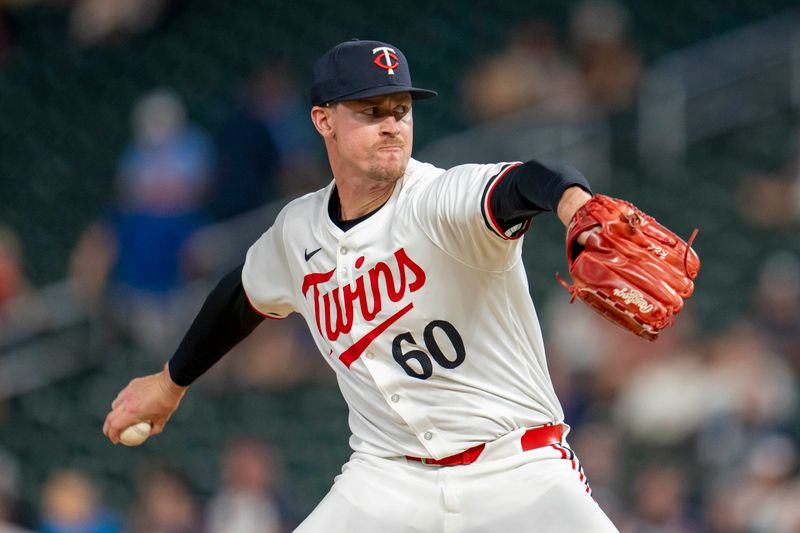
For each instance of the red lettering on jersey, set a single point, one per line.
(355, 351)
(338, 306)
(360, 294)
(341, 325)
(313, 280)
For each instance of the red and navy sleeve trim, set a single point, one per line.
(254, 308)
(522, 191)
(489, 219)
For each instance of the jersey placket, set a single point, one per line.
(386, 379)
(344, 276)
(375, 359)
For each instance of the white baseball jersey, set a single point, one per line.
(422, 310)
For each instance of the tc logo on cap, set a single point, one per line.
(343, 73)
(387, 59)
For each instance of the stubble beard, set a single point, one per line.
(387, 173)
(391, 170)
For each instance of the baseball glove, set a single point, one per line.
(631, 270)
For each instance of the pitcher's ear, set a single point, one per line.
(321, 118)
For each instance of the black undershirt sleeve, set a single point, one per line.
(224, 320)
(532, 188)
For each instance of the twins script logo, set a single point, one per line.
(337, 307)
(387, 59)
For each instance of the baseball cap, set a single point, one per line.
(359, 69)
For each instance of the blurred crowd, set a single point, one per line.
(770, 199)
(697, 432)
(132, 266)
(597, 71)
(250, 498)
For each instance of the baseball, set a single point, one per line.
(136, 434)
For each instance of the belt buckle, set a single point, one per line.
(424, 460)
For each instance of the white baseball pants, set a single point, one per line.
(506, 490)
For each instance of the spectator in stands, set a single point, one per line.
(164, 503)
(663, 402)
(166, 168)
(661, 500)
(721, 511)
(22, 309)
(274, 356)
(250, 500)
(12, 277)
(742, 362)
(532, 71)
(249, 160)
(162, 185)
(770, 198)
(98, 21)
(282, 105)
(90, 265)
(777, 305)
(611, 66)
(71, 504)
(761, 494)
(771, 467)
(11, 512)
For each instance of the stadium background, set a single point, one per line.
(65, 108)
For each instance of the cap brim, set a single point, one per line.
(416, 93)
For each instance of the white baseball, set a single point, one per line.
(136, 434)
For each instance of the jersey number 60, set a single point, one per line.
(425, 367)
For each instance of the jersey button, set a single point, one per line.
(428, 435)
(369, 355)
(395, 398)
(343, 250)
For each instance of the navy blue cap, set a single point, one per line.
(359, 69)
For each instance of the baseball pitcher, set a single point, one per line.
(411, 281)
